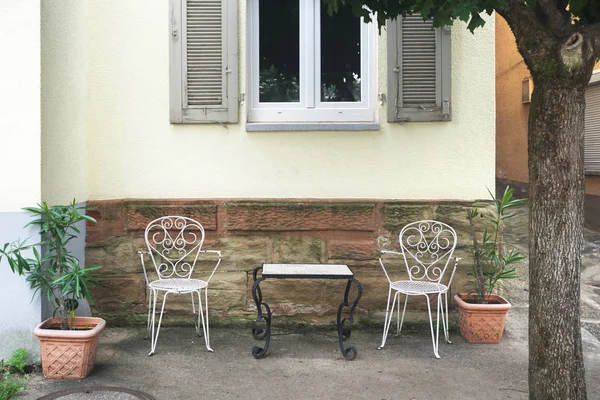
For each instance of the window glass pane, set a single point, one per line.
(340, 55)
(279, 51)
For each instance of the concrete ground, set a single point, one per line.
(310, 366)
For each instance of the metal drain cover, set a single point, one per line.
(98, 393)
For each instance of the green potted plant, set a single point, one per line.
(481, 312)
(68, 343)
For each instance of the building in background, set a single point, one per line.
(20, 163)
(514, 86)
(293, 136)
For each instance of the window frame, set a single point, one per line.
(310, 108)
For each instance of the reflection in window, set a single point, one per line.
(279, 51)
(340, 55)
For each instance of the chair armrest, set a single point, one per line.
(383, 266)
(390, 252)
(218, 261)
(456, 260)
(141, 253)
(211, 251)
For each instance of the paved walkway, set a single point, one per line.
(311, 366)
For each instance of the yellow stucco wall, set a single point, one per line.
(64, 101)
(133, 151)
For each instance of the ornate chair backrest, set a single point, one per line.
(174, 244)
(427, 247)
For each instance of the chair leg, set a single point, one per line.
(204, 322)
(445, 317)
(155, 337)
(433, 337)
(207, 331)
(388, 318)
(437, 318)
(150, 294)
(196, 317)
(398, 318)
(401, 320)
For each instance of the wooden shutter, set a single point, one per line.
(204, 64)
(419, 71)
(592, 130)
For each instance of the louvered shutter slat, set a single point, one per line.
(204, 53)
(592, 130)
(418, 62)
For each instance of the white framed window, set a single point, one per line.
(308, 66)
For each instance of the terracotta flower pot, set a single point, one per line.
(69, 354)
(482, 323)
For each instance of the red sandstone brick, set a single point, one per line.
(139, 214)
(110, 221)
(352, 250)
(300, 216)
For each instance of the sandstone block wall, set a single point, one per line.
(250, 233)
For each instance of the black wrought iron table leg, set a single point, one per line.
(258, 332)
(343, 328)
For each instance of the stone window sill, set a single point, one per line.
(287, 127)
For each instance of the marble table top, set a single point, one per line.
(324, 271)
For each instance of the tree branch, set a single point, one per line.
(517, 14)
(562, 6)
(556, 19)
(593, 32)
(528, 30)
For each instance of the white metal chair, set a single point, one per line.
(174, 244)
(426, 247)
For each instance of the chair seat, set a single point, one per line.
(418, 287)
(178, 284)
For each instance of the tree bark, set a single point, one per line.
(556, 126)
(560, 58)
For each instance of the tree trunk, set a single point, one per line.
(556, 126)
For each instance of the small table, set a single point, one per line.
(303, 271)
